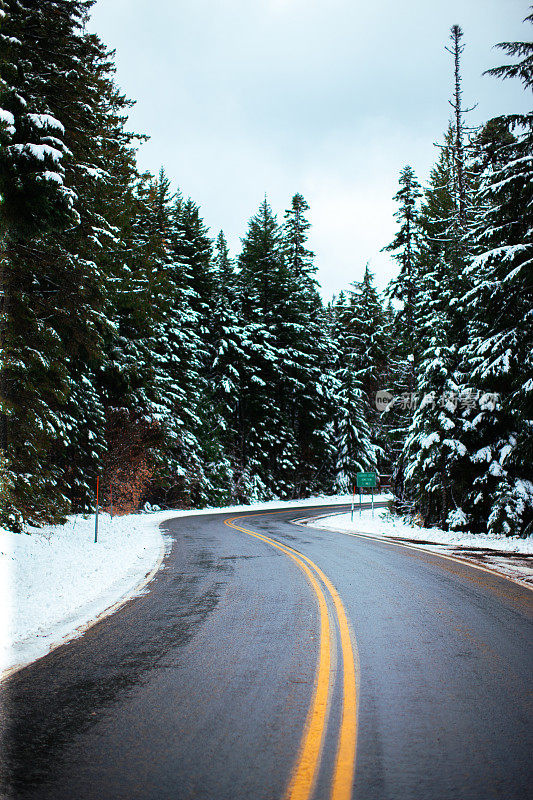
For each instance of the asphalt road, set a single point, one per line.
(273, 660)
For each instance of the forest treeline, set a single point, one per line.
(137, 348)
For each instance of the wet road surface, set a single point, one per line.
(235, 676)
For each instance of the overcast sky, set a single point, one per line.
(330, 98)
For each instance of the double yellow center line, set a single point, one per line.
(305, 771)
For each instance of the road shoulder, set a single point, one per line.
(512, 559)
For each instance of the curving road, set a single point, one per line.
(274, 660)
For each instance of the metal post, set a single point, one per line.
(111, 490)
(360, 502)
(353, 500)
(97, 510)
(372, 501)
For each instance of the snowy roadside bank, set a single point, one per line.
(511, 556)
(55, 582)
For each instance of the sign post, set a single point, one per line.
(97, 510)
(368, 479)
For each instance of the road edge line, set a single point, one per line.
(306, 521)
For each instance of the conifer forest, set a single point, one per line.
(137, 348)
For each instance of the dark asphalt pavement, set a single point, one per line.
(201, 687)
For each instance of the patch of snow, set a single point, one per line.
(489, 401)
(93, 172)
(457, 518)
(495, 469)
(383, 523)
(38, 151)
(482, 455)
(455, 446)
(7, 117)
(427, 441)
(524, 489)
(46, 121)
(55, 177)
(56, 579)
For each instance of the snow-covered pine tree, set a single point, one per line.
(101, 171)
(224, 375)
(153, 372)
(228, 330)
(32, 159)
(432, 447)
(427, 465)
(267, 445)
(34, 200)
(365, 346)
(352, 436)
(195, 252)
(499, 355)
(405, 346)
(434, 456)
(309, 402)
(56, 313)
(405, 250)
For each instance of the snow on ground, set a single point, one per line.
(511, 556)
(55, 581)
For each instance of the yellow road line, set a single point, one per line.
(343, 776)
(300, 787)
(305, 772)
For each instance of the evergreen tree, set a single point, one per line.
(365, 335)
(458, 148)
(310, 396)
(433, 448)
(352, 364)
(34, 200)
(433, 456)
(267, 446)
(405, 249)
(54, 303)
(285, 400)
(224, 376)
(228, 332)
(500, 351)
(404, 344)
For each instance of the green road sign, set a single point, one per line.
(366, 479)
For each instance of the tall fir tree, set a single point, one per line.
(434, 452)
(266, 441)
(352, 369)
(405, 287)
(405, 347)
(69, 149)
(226, 369)
(499, 354)
(310, 400)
